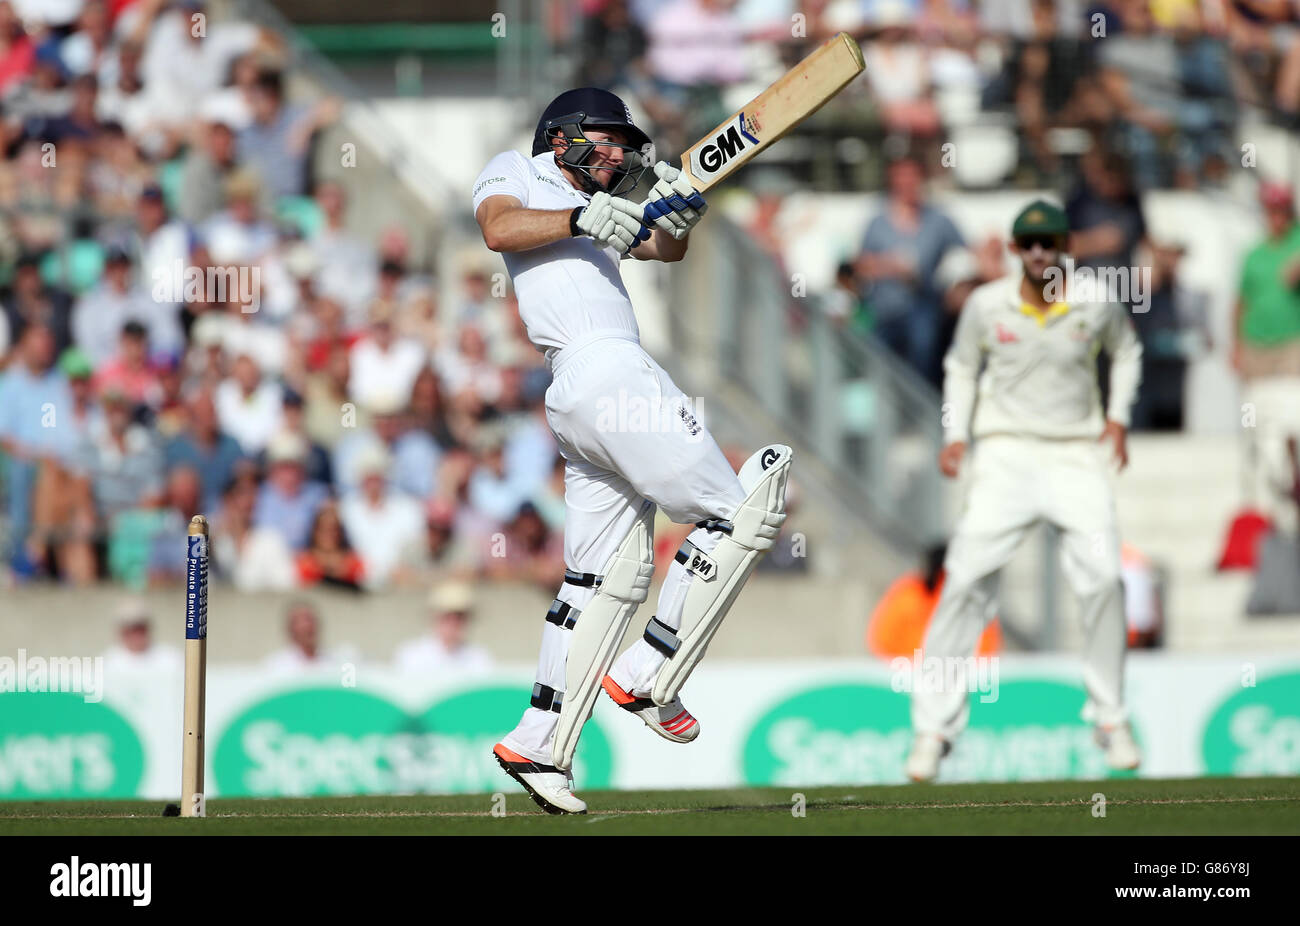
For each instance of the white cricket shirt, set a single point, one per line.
(1040, 374)
(567, 289)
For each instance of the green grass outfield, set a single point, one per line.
(1213, 806)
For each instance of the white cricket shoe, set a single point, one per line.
(671, 721)
(550, 787)
(923, 761)
(1122, 750)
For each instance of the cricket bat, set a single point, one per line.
(799, 93)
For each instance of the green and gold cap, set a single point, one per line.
(1040, 218)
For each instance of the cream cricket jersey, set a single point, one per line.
(571, 287)
(1040, 373)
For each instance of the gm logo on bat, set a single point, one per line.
(708, 161)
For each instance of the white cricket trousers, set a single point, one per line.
(1016, 482)
(631, 441)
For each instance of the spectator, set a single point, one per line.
(329, 415)
(383, 364)
(32, 391)
(238, 234)
(251, 558)
(183, 65)
(428, 412)
(494, 491)
(304, 652)
(346, 263)
(446, 553)
(476, 295)
(287, 502)
(122, 461)
(1142, 599)
(250, 408)
(130, 373)
(1106, 220)
(182, 500)
(614, 47)
(418, 320)
(115, 177)
(317, 462)
(135, 650)
(203, 447)
(329, 558)
(17, 53)
(445, 650)
(387, 526)
(413, 453)
(122, 98)
(1276, 585)
(531, 553)
(30, 301)
(1141, 76)
(1266, 323)
(63, 511)
(898, 624)
(326, 330)
(1266, 334)
(276, 143)
(244, 332)
(161, 245)
(901, 251)
(1173, 330)
(898, 70)
(99, 316)
(695, 48)
(471, 379)
(208, 167)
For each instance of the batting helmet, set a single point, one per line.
(574, 111)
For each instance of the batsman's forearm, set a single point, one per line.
(525, 229)
(669, 248)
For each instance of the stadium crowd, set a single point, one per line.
(1102, 101)
(189, 327)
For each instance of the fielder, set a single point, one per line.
(562, 224)
(1042, 453)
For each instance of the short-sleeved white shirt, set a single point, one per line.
(571, 287)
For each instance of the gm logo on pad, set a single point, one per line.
(711, 159)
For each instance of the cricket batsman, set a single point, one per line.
(562, 223)
(1043, 452)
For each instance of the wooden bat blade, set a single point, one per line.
(795, 96)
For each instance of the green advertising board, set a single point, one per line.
(320, 741)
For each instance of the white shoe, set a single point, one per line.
(550, 787)
(1122, 750)
(672, 721)
(923, 761)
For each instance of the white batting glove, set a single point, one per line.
(674, 205)
(613, 222)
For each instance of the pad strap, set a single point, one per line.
(582, 579)
(662, 637)
(547, 698)
(562, 614)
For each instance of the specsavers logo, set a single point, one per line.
(343, 741)
(1257, 730)
(860, 734)
(58, 745)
